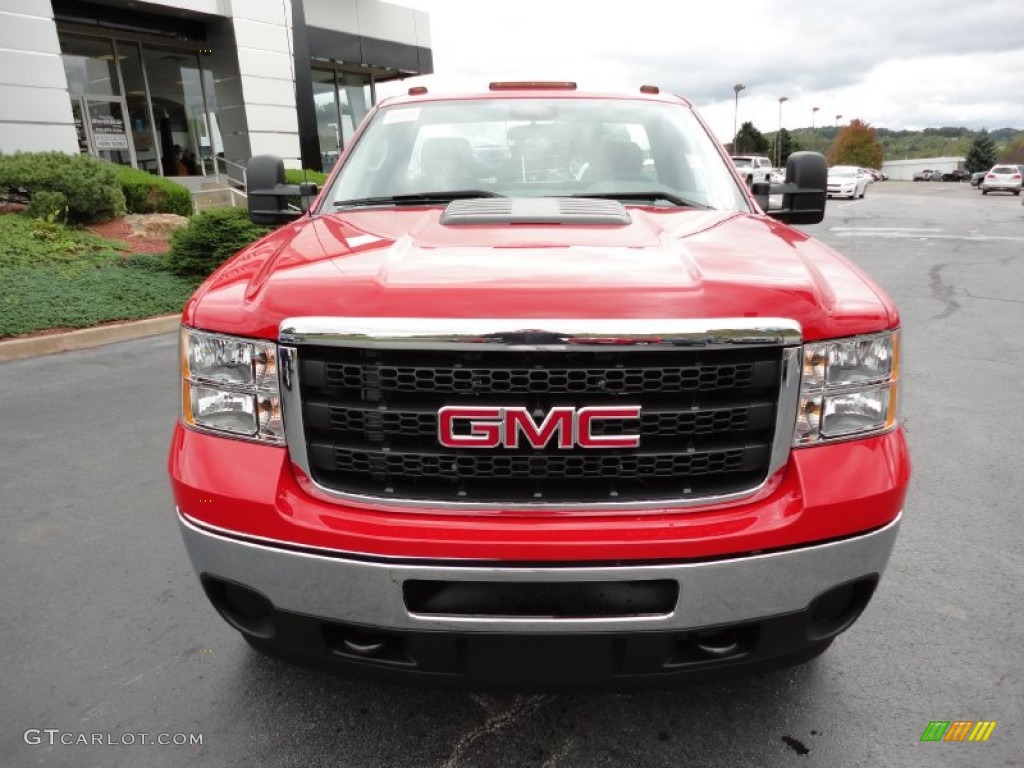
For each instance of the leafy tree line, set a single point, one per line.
(750, 141)
(1007, 144)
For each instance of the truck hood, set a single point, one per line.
(664, 264)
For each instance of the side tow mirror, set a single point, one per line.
(803, 194)
(268, 195)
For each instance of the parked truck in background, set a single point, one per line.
(479, 417)
(753, 167)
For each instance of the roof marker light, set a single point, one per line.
(650, 89)
(417, 90)
(533, 85)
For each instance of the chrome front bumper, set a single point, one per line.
(370, 593)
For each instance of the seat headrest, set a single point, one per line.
(446, 156)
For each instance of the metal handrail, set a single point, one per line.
(196, 194)
(228, 165)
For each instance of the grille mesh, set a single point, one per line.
(536, 467)
(538, 380)
(706, 424)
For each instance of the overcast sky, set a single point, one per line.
(893, 63)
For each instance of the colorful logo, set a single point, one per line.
(958, 730)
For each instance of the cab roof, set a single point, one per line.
(533, 90)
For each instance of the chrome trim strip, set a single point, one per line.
(712, 592)
(291, 408)
(537, 334)
(785, 413)
(788, 331)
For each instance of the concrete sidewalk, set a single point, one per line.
(52, 343)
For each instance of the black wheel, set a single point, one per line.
(984, 191)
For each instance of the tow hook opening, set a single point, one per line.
(714, 644)
(371, 645)
(243, 608)
(835, 610)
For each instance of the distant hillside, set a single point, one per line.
(909, 145)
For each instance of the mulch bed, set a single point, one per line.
(126, 229)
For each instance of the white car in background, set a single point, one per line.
(1003, 178)
(847, 181)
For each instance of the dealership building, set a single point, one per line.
(190, 87)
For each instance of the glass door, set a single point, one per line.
(92, 67)
(328, 124)
(179, 111)
(103, 126)
(108, 125)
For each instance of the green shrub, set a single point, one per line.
(55, 276)
(48, 204)
(146, 193)
(90, 187)
(305, 176)
(295, 176)
(210, 238)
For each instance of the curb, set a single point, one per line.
(51, 344)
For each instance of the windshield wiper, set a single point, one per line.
(416, 198)
(650, 196)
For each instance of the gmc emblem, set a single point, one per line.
(493, 427)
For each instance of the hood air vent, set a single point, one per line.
(535, 210)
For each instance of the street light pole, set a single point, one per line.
(735, 115)
(838, 118)
(814, 134)
(778, 136)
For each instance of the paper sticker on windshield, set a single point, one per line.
(402, 115)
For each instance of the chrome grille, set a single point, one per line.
(361, 415)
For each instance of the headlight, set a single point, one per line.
(848, 388)
(229, 386)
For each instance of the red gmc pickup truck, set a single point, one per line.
(536, 394)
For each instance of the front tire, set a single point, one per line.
(984, 191)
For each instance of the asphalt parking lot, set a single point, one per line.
(105, 629)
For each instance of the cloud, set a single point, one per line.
(893, 63)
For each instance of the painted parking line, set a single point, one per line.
(884, 229)
(922, 234)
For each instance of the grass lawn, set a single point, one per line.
(57, 277)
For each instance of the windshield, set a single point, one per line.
(543, 147)
(742, 162)
(842, 172)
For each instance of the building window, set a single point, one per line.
(342, 100)
(328, 120)
(97, 98)
(179, 110)
(143, 106)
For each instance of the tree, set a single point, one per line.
(982, 154)
(749, 141)
(789, 146)
(1013, 154)
(857, 144)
